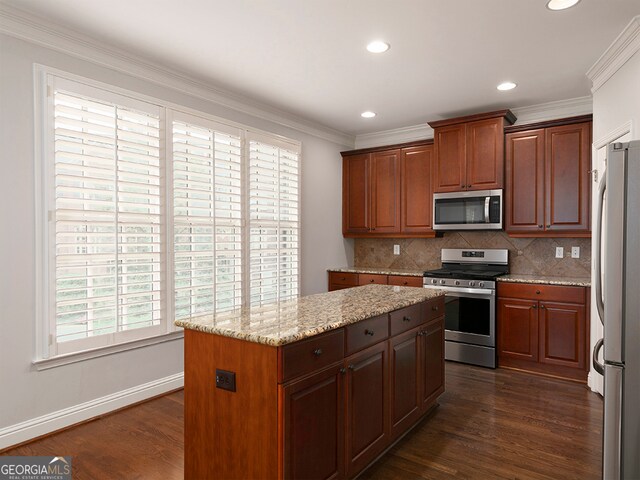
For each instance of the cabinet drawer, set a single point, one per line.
(405, 281)
(342, 278)
(311, 354)
(433, 308)
(530, 291)
(406, 318)
(366, 279)
(367, 332)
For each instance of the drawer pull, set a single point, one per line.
(317, 352)
(435, 308)
(541, 306)
(537, 292)
(421, 333)
(369, 332)
(343, 371)
(406, 319)
(351, 367)
(372, 280)
(405, 283)
(534, 307)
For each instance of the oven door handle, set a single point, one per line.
(460, 291)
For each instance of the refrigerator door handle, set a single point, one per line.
(597, 366)
(598, 249)
(612, 435)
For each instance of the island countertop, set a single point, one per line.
(292, 320)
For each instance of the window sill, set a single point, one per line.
(60, 360)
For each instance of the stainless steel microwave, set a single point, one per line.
(476, 210)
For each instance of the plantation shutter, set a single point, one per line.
(207, 196)
(274, 226)
(107, 266)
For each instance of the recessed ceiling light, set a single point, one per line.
(368, 114)
(378, 46)
(561, 4)
(506, 86)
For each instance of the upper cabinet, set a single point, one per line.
(386, 192)
(469, 152)
(547, 179)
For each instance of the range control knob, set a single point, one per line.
(472, 283)
(457, 282)
(481, 284)
(442, 282)
(434, 281)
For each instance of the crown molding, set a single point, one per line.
(394, 136)
(572, 107)
(618, 53)
(26, 26)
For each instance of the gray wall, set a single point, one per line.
(27, 393)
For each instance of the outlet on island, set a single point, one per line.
(226, 380)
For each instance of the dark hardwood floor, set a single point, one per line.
(490, 424)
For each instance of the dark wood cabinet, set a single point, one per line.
(547, 181)
(356, 194)
(386, 191)
(315, 404)
(341, 280)
(469, 152)
(366, 406)
(450, 172)
(543, 328)
(432, 362)
(404, 357)
(416, 195)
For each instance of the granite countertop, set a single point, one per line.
(379, 271)
(544, 279)
(292, 320)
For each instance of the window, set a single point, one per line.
(156, 214)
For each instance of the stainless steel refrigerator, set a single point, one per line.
(617, 281)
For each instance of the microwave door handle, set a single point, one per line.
(486, 209)
(598, 249)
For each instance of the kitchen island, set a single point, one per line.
(316, 387)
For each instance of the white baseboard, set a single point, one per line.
(595, 381)
(23, 431)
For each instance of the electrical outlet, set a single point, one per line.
(396, 249)
(575, 252)
(226, 380)
(559, 252)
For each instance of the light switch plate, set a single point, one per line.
(396, 249)
(575, 252)
(559, 252)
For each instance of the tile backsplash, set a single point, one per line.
(535, 256)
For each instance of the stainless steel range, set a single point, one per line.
(468, 277)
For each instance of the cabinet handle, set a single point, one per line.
(435, 308)
(373, 228)
(540, 226)
(468, 186)
(369, 332)
(406, 319)
(462, 186)
(548, 226)
(541, 306)
(372, 281)
(535, 307)
(537, 292)
(351, 367)
(421, 333)
(317, 352)
(404, 283)
(343, 371)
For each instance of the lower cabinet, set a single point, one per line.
(432, 365)
(367, 387)
(340, 280)
(544, 329)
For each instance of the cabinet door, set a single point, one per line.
(518, 329)
(355, 194)
(450, 172)
(432, 362)
(524, 193)
(366, 406)
(485, 154)
(416, 189)
(563, 334)
(385, 192)
(314, 426)
(404, 378)
(567, 164)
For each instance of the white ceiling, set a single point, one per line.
(308, 57)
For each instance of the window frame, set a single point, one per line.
(46, 354)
